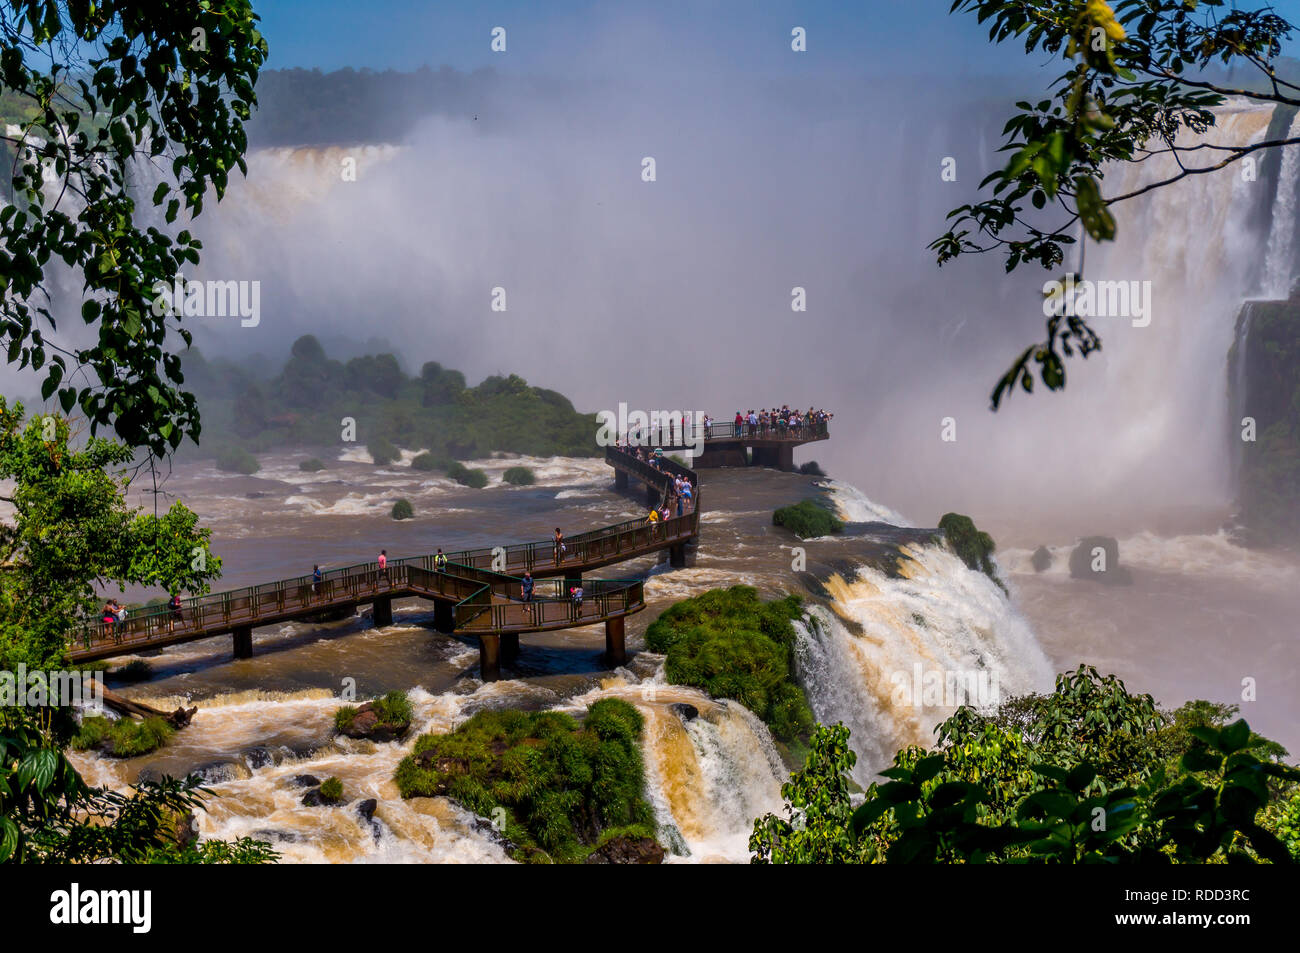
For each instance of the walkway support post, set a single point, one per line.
(444, 616)
(382, 611)
(615, 649)
(620, 479)
(677, 555)
(489, 657)
(509, 647)
(244, 642)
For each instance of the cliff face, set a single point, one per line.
(1265, 376)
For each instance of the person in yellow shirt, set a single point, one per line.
(653, 517)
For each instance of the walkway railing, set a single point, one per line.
(481, 580)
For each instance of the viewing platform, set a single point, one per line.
(479, 593)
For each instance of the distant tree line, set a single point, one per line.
(305, 403)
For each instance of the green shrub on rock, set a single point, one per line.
(731, 644)
(425, 461)
(237, 460)
(382, 452)
(973, 547)
(331, 790)
(807, 519)
(402, 510)
(312, 465)
(563, 785)
(123, 737)
(519, 476)
(465, 476)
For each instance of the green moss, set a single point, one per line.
(313, 465)
(331, 790)
(975, 548)
(237, 460)
(807, 519)
(465, 476)
(559, 786)
(519, 476)
(731, 644)
(382, 452)
(123, 738)
(402, 510)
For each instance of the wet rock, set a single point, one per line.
(267, 834)
(1097, 558)
(306, 781)
(258, 758)
(684, 711)
(366, 809)
(628, 850)
(215, 772)
(256, 494)
(1042, 559)
(314, 798)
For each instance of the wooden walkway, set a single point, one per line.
(478, 593)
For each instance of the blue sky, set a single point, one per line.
(567, 36)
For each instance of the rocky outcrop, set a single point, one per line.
(628, 850)
(367, 723)
(1042, 559)
(1096, 558)
(684, 711)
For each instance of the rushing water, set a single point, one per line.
(263, 721)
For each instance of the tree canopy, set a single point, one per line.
(117, 92)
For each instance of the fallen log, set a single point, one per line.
(180, 718)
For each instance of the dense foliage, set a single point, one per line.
(731, 644)
(402, 509)
(556, 789)
(72, 533)
(1087, 774)
(435, 411)
(807, 519)
(106, 91)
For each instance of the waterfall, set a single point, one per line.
(892, 658)
(1279, 259)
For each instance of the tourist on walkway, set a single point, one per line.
(316, 577)
(526, 587)
(383, 567)
(177, 615)
(560, 548)
(440, 561)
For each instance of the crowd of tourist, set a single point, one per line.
(781, 423)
